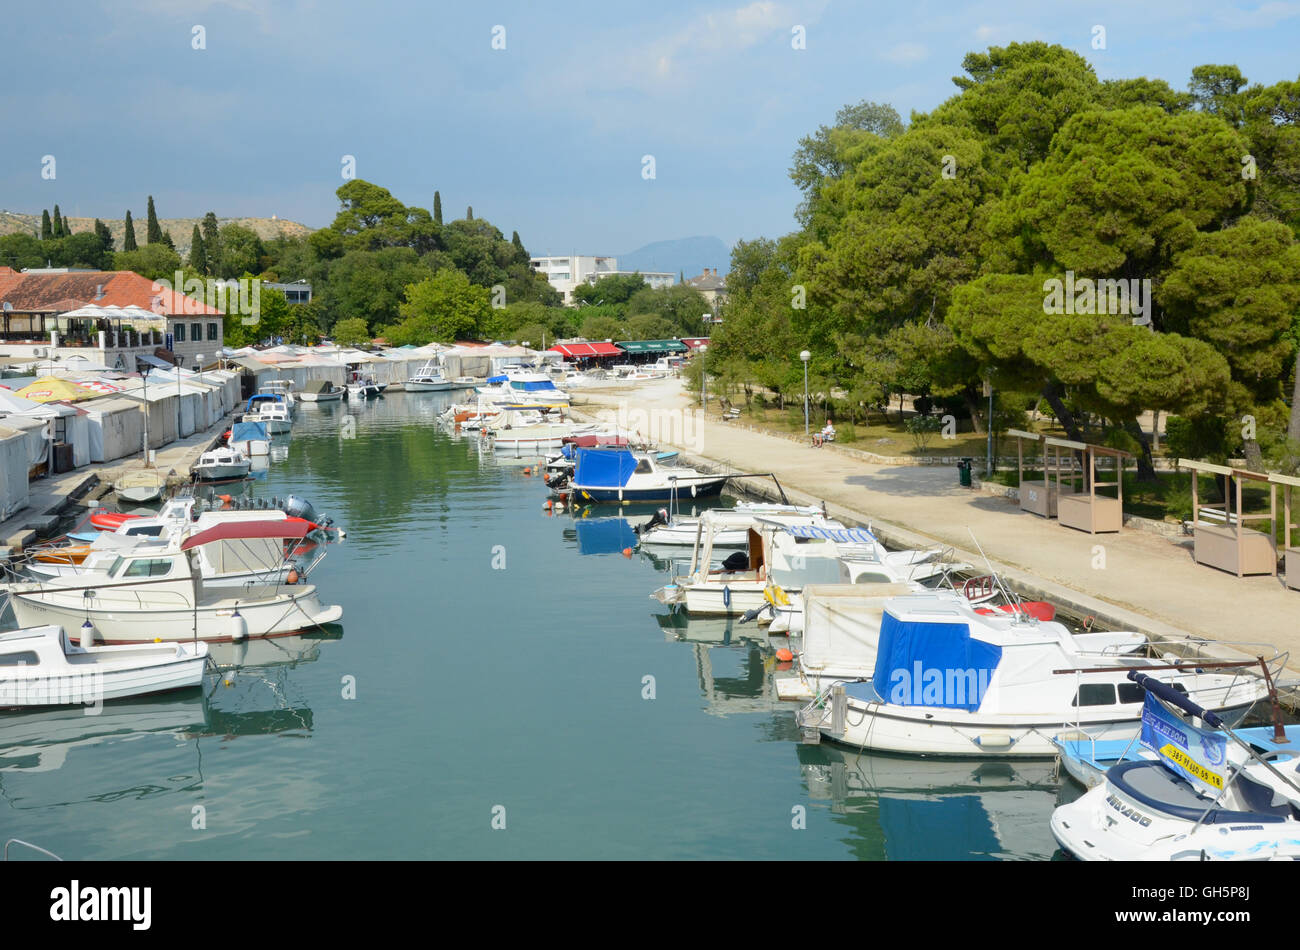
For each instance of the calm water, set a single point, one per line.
(479, 689)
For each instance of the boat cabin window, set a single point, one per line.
(873, 579)
(643, 467)
(25, 658)
(1095, 694)
(149, 567)
(145, 531)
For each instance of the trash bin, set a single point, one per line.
(963, 472)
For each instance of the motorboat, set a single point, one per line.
(617, 474)
(364, 387)
(270, 409)
(951, 681)
(321, 390)
(1196, 794)
(283, 388)
(428, 379)
(838, 627)
(140, 487)
(465, 382)
(514, 386)
(161, 595)
(664, 529)
(251, 439)
(42, 666)
(527, 429)
(221, 464)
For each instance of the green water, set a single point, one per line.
(484, 694)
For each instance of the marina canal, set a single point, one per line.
(495, 665)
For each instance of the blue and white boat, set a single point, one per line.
(614, 474)
(516, 386)
(1193, 795)
(251, 438)
(951, 681)
(270, 409)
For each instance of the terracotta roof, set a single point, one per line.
(121, 288)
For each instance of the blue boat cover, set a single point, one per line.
(534, 387)
(604, 535)
(923, 663)
(261, 397)
(498, 379)
(843, 535)
(603, 468)
(248, 432)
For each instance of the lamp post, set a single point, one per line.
(805, 356)
(144, 374)
(988, 391)
(704, 348)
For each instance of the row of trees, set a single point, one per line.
(923, 260)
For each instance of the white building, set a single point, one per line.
(567, 272)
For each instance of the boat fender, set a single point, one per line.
(726, 596)
(293, 576)
(238, 627)
(87, 634)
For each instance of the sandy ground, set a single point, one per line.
(1142, 580)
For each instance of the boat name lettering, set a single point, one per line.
(1132, 814)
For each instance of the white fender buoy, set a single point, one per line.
(238, 627)
(87, 635)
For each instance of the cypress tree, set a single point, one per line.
(212, 243)
(437, 208)
(198, 254)
(469, 213)
(153, 232)
(105, 236)
(47, 232)
(58, 229)
(128, 239)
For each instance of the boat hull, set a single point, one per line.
(710, 488)
(216, 473)
(421, 386)
(322, 397)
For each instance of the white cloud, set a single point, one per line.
(1261, 17)
(906, 53)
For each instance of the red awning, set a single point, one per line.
(294, 528)
(591, 441)
(586, 349)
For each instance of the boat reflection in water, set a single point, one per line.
(924, 809)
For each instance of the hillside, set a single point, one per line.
(686, 256)
(181, 228)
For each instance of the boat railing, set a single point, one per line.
(28, 844)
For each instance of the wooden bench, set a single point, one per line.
(730, 414)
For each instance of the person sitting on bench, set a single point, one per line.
(826, 435)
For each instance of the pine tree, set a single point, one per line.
(167, 239)
(212, 243)
(128, 239)
(153, 231)
(469, 213)
(105, 235)
(47, 232)
(437, 208)
(198, 254)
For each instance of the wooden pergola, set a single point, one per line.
(1232, 546)
(1290, 556)
(1079, 506)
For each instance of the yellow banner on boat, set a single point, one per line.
(1186, 762)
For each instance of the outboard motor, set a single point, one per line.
(658, 518)
(739, 561)
(296, 507)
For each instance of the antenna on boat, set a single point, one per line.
(1013, 599)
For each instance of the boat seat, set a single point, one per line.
(1258, 798)
(1153, 785)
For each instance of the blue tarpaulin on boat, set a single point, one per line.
(924, 663)
(534, 387)
(603, 468)
(498, 379)
(261, 398)
(248, 432)
(860, 535)
(604, 535)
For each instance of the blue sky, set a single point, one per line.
(545, 136)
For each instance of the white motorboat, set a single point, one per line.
(140, 487)
(428, 379)
(271, 410)
(321, 390)
(667, 530)
(951, 681)
(280, 388)
(364, 387)
(41, 666)
(164, 597)
(251, 439)
(515, 386)
(518, 430)
(1194, 795)
(222, 464)
(617, 474)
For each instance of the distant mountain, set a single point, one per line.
(687, 256)
(182, 229)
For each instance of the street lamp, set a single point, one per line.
(988, 391)
(805, 356)
(144, 374)
(704, 348)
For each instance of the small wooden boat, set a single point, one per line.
(140, 487)
(41, 666)
(364, 387)
(321, 390)
(221, 464)
(62, 553)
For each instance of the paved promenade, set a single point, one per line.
(1131, 580)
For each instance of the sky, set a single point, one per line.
(542, 117)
